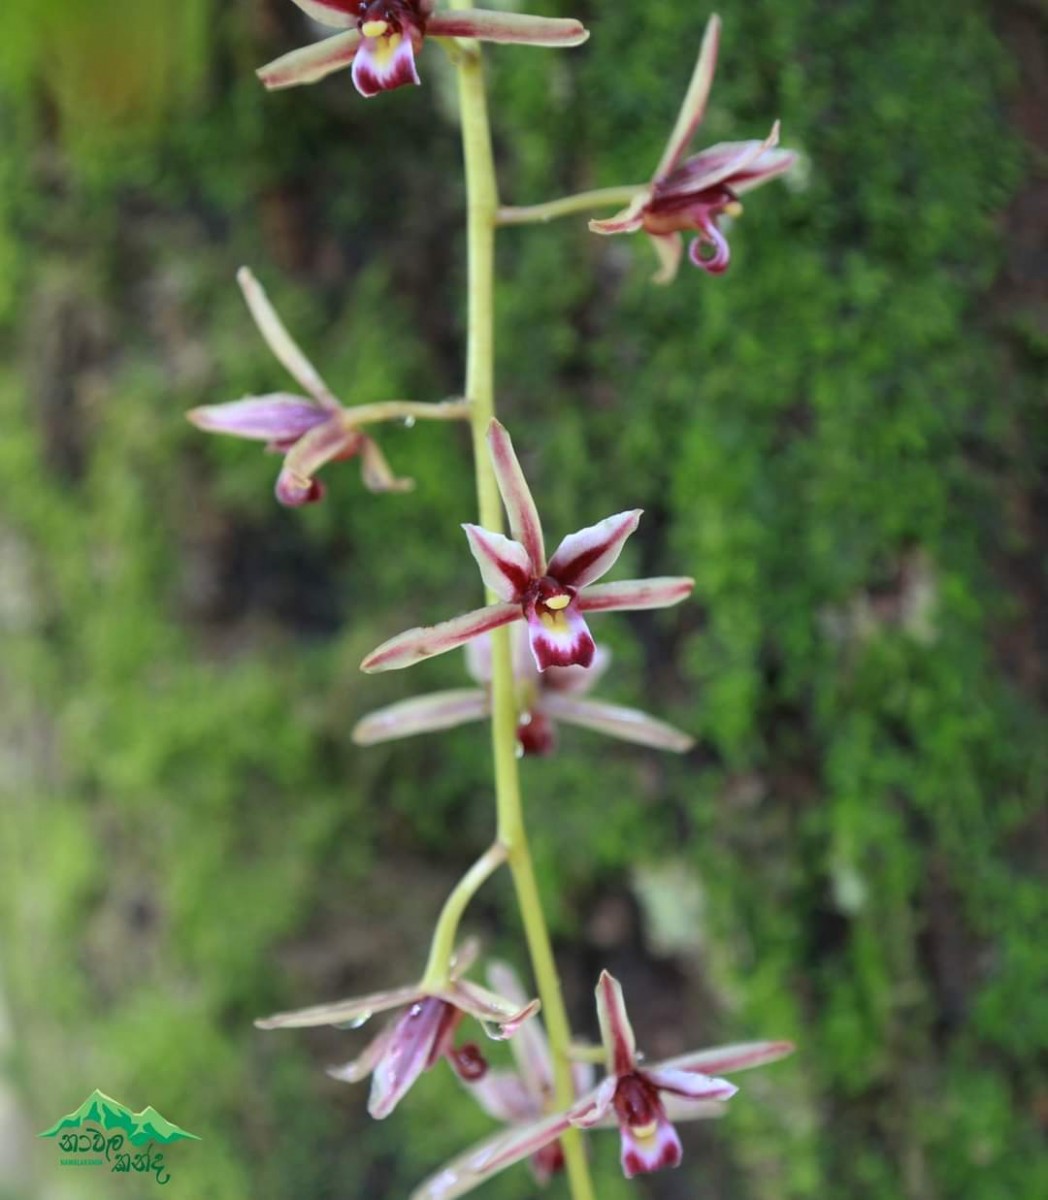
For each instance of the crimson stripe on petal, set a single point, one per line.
(691, 1084)
(627, 724)
(635, 594)
(694, 106)
(560, 639)
(616, 1032)
(523, 516)
(414, 645)
(586, 555)
(505, 565)
(738, 1057)
(655, 1153)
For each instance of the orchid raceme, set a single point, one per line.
(310, 430)
(640, 1100)
(543, 698)
(422, 1035)
(382, 37)
(550, 596)
(695, 193)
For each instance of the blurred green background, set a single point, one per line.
(840, 439)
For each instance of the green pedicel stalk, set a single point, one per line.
(482, 206)
(566, 206)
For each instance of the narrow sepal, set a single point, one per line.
(524, 522)
(669, 249)
(588, 554)
(738, 1057)
(415, 645)
(309, 64)
(721, 164)
(694, 106)
(505, 565)
(422, 714)
(629, 220)
(283, 346)
(471, 1169)
(500, 1016)
(626, 724)
(361, 1067)
(339, 14)
(635, 594)
(375, 469)
(330, 440)
(507, 27)
(273, 418)
(595, 1107)
(341, 1012)
(616, 1032)
(407, 1053)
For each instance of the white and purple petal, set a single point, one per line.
(530, 1046)
(524, 522)
(422, 714)
(332, 439)
(692, 1085)
(636, 594)
(361, 1067)
(384, 63)
(717, 261)
(501, 1017)
(508, 28)
(415, 645)
(559, 638)
(585, 556)
(694, 107)
(719, 164)
(655, 1148)
(626, 724)
(505, 1096)
(505, 565)
(339, 14)
(416, 1042)
(311, 63)
(273, 418)
(576, 681)
(593, 1108)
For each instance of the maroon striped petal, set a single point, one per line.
(384, 63)
(616, 1032)
(311, 63)
(717, 165)
(322, 444)
(506, 27)
(505, 565)
(694, 106)
(629, 220)
(414, 645)
(586, 555)
(524, 522)
(408, 1051)
(655, 1148)
(273, 418)
(634, 594)
(500, 1016)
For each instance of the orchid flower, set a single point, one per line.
(521, 1096)
(641, 1101)
(695, 193)
(422, 1034)
(309, 432)
(382, 37)
(542, 697)
(551, 597)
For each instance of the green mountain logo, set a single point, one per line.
(139, 1128)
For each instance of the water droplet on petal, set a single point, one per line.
(359, 1019)
(409, 422)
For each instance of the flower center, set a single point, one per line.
(388, 18)
(552, 601)
(637, 1105)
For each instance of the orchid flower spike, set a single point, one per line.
(550, 596)
(308, 430)
(382, 37)
(543, 698)
(695, 193)
(641, 1101)
(422, 1034)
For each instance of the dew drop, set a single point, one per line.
(409, 422)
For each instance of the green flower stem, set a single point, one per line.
(482, 208)
(566, 206)
(442, 947)
(408, 410)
